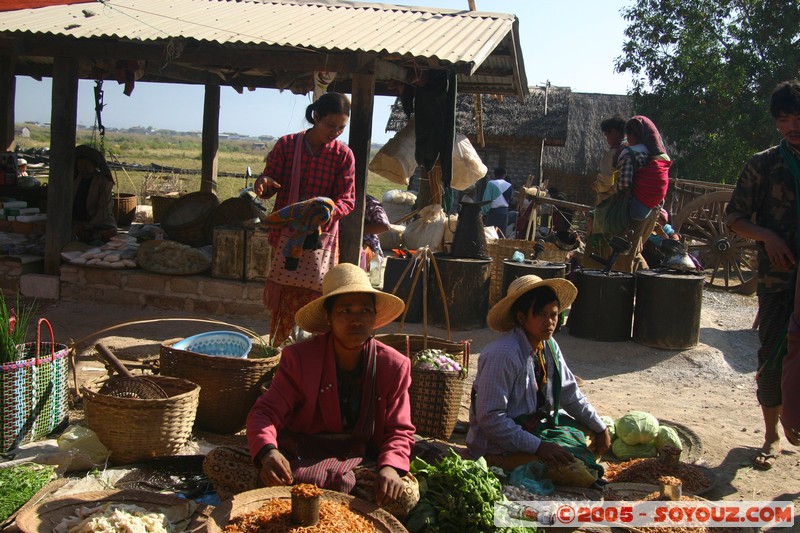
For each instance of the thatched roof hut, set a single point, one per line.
(543, 115)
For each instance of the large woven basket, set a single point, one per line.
(435, 396)
(187, 219)
(229, 386)
(502, 249)
(134, 429)
(160, 206)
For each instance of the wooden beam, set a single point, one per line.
(8, 84)
(63, 120)
(351, 227)
(210, 157)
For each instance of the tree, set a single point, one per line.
(703, 71)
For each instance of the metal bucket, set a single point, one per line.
(544, 269)
(603, 310)
(466, 288)
(668, 306)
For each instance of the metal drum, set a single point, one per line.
(544, 269)
(466, 290)
(668, 305)
(395, 266)
(603, 310)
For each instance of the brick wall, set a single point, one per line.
(142, 289)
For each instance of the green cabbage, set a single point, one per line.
(626, 451)
(637, 427)
(668, 436)
(609, 422)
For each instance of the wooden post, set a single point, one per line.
(351, 227)
(8, 83)
(63, 120)
(210, 144)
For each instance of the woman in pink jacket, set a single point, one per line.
(338, 402)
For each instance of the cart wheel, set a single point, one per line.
(729, 260)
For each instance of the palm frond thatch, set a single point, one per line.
(508, 116)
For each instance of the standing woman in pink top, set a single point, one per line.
(301, 166)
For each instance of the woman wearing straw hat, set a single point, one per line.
(336, 399)
(523, 381)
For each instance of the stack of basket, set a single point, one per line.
(435, 395)
(229, 386)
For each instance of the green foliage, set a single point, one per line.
(14, 324)
(704, 70)
(455, 495)
(19, 483)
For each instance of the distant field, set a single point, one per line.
(179, 151)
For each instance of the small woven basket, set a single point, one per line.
(134, 429)
(435, 396)
(228, 386)
(502, 249)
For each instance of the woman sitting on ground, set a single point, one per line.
(335, 400)
(523, 381)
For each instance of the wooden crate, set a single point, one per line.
(258, 256)
(229, 253)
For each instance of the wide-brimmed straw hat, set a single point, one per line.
(347, 278)
(500, 319)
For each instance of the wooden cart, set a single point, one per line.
(697, 210)
(698, 214)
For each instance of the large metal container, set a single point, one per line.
(544, 269)
(668, 306)
(466, 289)
(395, 266)
(603, 310)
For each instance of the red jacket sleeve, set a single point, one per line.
(270, 412)
(397, 432)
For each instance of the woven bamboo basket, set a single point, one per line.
(229, 386)
(134, 429)
(186, 220)
(435, 396)
(160, 205)
(502, 249)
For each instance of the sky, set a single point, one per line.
(570, 43)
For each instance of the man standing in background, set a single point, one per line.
(764, 208)
(498, 192)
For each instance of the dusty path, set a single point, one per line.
(709, 388)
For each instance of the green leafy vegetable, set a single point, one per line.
(637, 427)
(626, 451)
(668, 436)
(19, 483)
(455, 495)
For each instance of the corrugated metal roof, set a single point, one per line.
(423, 36)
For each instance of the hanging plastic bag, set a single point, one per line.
(467, 165)
(395, 160)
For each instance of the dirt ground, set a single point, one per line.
(709, 388)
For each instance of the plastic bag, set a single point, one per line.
(531, 477)
(467, 165)
(84, 446)
(427, 230)
(395, 160)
